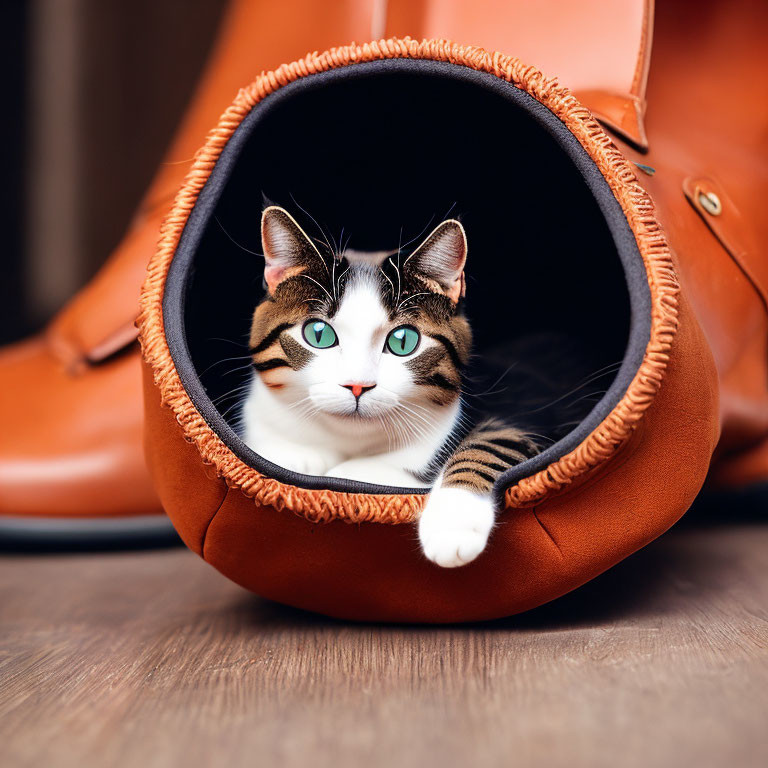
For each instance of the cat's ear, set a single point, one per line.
(441, 258)
(287, 247)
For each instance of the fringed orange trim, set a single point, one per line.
(597, 448)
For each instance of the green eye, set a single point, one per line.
(404, 340)
(319, 334)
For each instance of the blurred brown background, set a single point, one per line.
(93, 90)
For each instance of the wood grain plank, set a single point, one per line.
(154, 659)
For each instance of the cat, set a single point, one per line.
(358, 362)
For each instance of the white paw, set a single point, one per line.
(298, 458)
(455, 525)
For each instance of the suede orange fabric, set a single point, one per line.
(324, 505)
(375, 572)
(713, 394)
(624, 485)
(188, 487)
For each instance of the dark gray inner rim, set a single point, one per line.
(177, 282)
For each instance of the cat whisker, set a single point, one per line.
(498, 381)
(389, 280)
(415, 427)
(302, 403)
(606, 369)
(401, 432)
(333, 247)
(450, 209)
(387, 431)
(231, 392)
(599, 393)
(403, 427)
(399, 281)
(565, 396)
(543, 437)
(226, 360)
(344, 244)
(487, 394)
(424, 425)
(410, 298)
(244, 336)
(240, 389)
(237, 369)
(227, 411)
(241, 247)
(319, 285)
(418, 407)
(422, 422)
(419, 236)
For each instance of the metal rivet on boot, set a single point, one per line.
(710, 202)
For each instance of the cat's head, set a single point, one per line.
(361, 337)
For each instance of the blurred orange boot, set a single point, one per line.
(71, 458)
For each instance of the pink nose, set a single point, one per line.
(358, 389)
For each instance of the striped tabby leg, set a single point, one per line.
(459, 514)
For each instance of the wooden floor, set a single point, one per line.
(154, 659)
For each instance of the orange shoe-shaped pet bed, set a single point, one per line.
(563, 239)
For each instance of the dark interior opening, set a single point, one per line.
(378, 153)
